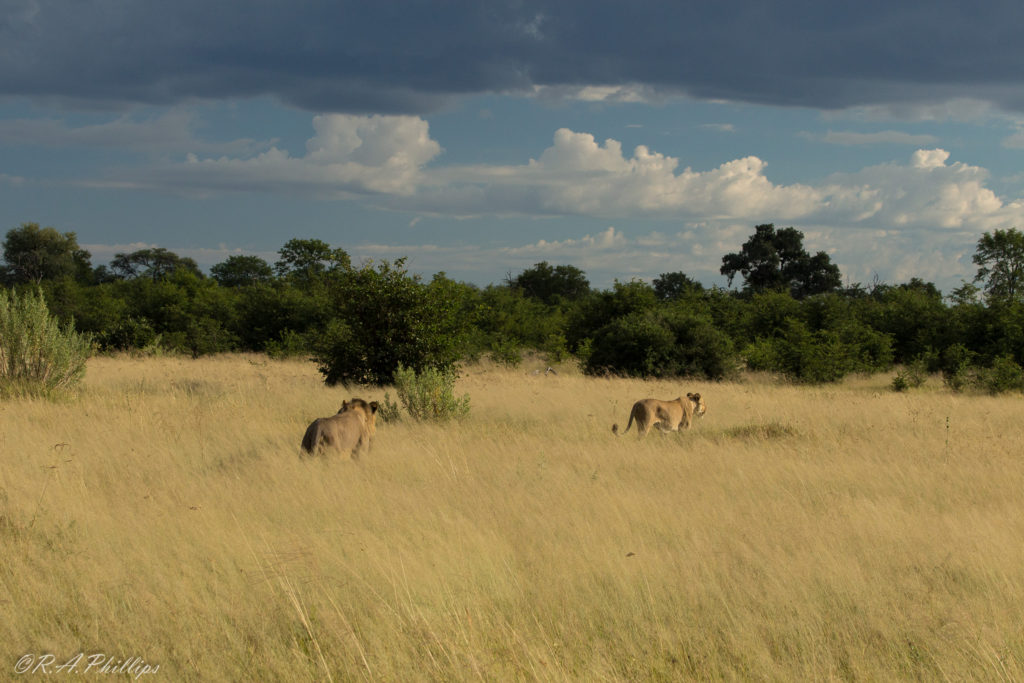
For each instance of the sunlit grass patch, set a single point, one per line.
(793, 533)
(762, 431)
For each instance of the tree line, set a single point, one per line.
(792, 315)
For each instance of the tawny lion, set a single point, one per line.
(350, 431)
(668, 416)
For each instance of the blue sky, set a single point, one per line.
(626, 138)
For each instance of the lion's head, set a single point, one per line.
(367, 408)
(699, 407)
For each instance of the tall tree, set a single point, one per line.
(383, 317)
(669, 286)
(34, 254)
(239, 270)
(307, 259)
(549, 283)
(776, 260)
(155, 263)
(1000, 261)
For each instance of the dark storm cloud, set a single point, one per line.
(411, 56)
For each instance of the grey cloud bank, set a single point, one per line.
(412, 57)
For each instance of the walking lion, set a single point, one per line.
(350, 431)
(668, 416)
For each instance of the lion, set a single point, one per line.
(350, 431)
(668, 416)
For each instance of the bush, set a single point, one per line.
(910, 376)
(289, 344)
(38, 357)
(383, 318)
(661, 343)
(956, 361)
(1004, 375)
(820, 356)
(555, 346)
(388, 409)
(802, 355)
(506, 352)
(761, 354)
(430, 394)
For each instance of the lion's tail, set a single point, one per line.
(615, 427)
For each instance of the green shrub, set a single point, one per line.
(506, 352)
(911, 376)
(555, 346)
(584, 350)
(38, 357)
(661, 343)
(430, 394)
(956, 361)
(289, 344)
(388, 409)
(1004, 375)
(382, 317)
(761, 354)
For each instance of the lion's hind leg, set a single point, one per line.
(644, 422)
(311, 439)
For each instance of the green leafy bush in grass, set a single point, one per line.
(430, 394)
(38, 357)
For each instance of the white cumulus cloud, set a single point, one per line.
(389, 161)
(348, 156)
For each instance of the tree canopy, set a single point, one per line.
(360, 323)
(550, 283)
(307, 259)
(153, 263)
(33, 254)
(238, 270)
(1000, 261)
(776, 260)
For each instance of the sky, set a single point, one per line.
(628, 139)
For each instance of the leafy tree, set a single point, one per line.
(383, 317)
(306, 260)
(913, 314)
(597, 309)
(776, 260)
(33, 254)
(768, 312)
(278, 313)
(190, 313)
(966, 294)
(669, 286)
(551, 283)
(239, 271)
(97, 310)
(154, 263)
(506, 319)
(802, 354)
(660, 343)
(1000, 261)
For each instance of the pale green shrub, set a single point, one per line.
(38, 357)
(430, 394)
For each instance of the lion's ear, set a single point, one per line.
(344, 406)
(373, 406)
(695, 397)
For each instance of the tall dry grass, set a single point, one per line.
(794, 534)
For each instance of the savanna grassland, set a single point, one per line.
(795, 533)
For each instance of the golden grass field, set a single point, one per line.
(794, 534)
